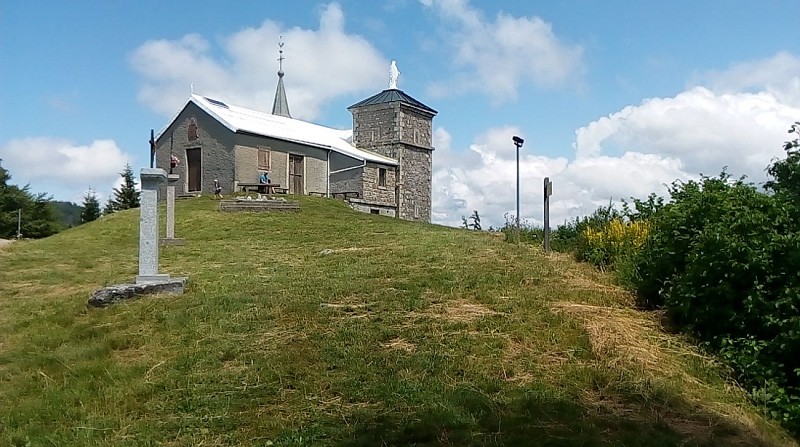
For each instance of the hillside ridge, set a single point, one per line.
(331, 327)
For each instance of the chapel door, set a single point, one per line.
(295, 174)
(194, 169)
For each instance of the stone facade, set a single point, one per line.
(232, 158)
(405, 133)
(373, 191)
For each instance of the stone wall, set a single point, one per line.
(233, 158)
(415, 181)
(347, 181)
(214, 141)
(404, 133)
(359, 205)
(375, 125)
(373, 193)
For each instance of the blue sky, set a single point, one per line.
(614, 99)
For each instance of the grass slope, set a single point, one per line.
(329, 327)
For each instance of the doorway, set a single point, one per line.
(295, 174)
(194, 169)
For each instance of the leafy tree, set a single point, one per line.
(786, 172)
(91, 207)
(38, 215)
(126, 196)
(722, 257)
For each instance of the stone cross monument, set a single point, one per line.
(170, 238)
(148, 280)
(151, 179)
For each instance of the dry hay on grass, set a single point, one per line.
(457, 311)
(4, 243)
(399, 344)
(627, 337)
(329, 251)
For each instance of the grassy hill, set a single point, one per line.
(330, 327)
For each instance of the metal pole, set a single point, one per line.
(19, 223)
(518, 143)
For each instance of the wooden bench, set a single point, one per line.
(265, 188)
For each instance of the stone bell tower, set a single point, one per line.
(394, 124)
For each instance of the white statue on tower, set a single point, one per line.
(394, 73)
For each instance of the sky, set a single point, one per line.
(614, 99)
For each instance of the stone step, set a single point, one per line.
(258, 205)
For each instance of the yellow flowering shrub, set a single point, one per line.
(616, 238)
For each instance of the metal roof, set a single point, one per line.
(392, 95)
(240, 119)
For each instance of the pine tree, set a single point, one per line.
(91, 207)
(126, 196)
(109, 208)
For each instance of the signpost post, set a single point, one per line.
(548, 191)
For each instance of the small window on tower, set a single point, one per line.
(192, 130)
(381, 177)
(263, 159)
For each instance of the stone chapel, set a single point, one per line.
(383, 165)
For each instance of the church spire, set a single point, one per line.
(280, 106)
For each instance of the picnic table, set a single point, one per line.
(265, 188)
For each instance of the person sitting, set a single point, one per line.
(264, 178)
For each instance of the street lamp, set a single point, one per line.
(518, 143)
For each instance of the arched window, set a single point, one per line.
(192, 130)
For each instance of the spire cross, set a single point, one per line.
(281, 58)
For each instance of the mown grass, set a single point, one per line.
(329, 327)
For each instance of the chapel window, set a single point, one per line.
(191, 132)
(381, 177)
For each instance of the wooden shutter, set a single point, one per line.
(263, 159)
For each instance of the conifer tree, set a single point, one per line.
(109, 208)
(91, 207)
(38, 217)
(126, 196)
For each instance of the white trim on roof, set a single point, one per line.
(240, 119)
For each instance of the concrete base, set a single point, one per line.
(151, 279)
(110, 295)
(172, 241)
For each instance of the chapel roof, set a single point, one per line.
(393, 95)
(243, 120)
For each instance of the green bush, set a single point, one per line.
(723, 259)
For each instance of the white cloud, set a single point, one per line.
(778, 76)
(630, 153)
(62, 168)
(705, 130)
(496, 56)
(320, 65)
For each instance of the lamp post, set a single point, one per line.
(518, 143)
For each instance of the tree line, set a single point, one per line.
(37, 215)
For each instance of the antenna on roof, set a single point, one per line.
(191, 88)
